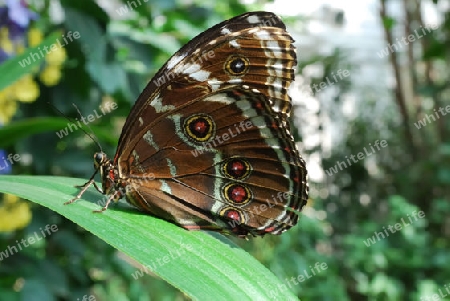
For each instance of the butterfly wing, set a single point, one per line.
(214, 135)
(198, 68)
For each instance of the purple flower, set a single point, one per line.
(3, 55)
(19, 12)
(16, 16)
(5, 167)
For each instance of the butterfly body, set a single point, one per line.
(207, 144)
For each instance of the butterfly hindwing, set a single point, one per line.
(246, 133)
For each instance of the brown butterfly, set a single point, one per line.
(207, 144)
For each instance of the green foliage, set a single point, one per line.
(200, 265)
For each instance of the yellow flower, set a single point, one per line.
(4, 33)
(6, 94)
(34, 37)
(20, 48)
(10, 199)
(56, 57)
(8, 106)
(26, 89)
(51, 75)
(7, 110)
(14, 215)
(5, 43)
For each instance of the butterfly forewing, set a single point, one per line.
(259, 36)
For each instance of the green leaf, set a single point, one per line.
(89, 8)
(11, 133)
(109, 76)
(93, 40)
(15, 68)
(164, 42)
(202, 265)
(388, 22)
(35, 290)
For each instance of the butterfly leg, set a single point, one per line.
(83, 189)
(90, 182)
(98, 189)
(112, 197)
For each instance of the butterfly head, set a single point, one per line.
(108, 172)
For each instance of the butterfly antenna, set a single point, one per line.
(70, 120)
(92, 132)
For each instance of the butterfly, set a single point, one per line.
(207, 145)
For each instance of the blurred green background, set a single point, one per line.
(118, 50)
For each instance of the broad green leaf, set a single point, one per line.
(202, 265)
